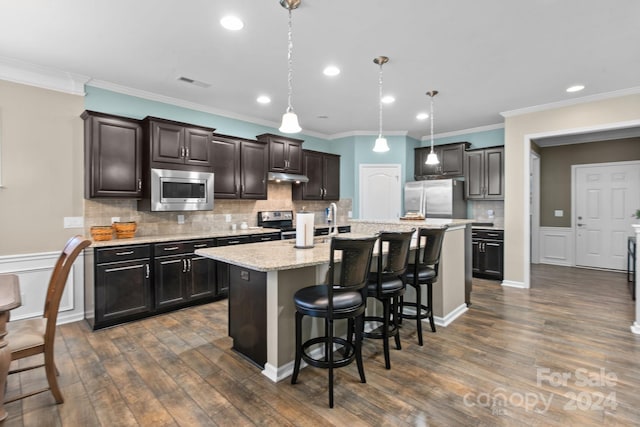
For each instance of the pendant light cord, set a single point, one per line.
(431, 124)
(380, 100)
(290, 65)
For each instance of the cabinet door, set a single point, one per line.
(494, 173)
(294, 157)
(312, 166)
(170, 281)
(476, 256)
(331, 171)
(452, 160)
(278, 155)
(167, 143)
(253, 170)
(123, 291)
(420, 168)
(202, 277)
(474, 174)
(226, 168)
(113, 157)
(197, 147)
(493, 259)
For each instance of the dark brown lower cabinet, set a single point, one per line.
(248, 313)
(117, 284)
(488, 254)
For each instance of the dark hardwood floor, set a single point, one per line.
(558, 354)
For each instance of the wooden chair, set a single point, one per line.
(30, 337)
(342, 298)
(386, 285)
(423, 271)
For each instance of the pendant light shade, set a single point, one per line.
(381, 145)
(432, 158)
(289, 118)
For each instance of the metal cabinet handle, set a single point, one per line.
(184, 265)
(202, 245)
(493, 234)
(233, 242)
(139, 184)
(321, 192)
(264, 239)
(181, 151)
(172, 248)
(124, 253)
(186, 152)
(188, 264)
(147, 271)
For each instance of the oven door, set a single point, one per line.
(288, 235)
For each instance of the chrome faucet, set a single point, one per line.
(333, 217)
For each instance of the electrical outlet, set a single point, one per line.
(115, 219)
(73, 222)
(227, 217)
(349, 214)
(180, 219)
(558, 213)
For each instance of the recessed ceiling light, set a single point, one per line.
(575, 88)
(263, 99)
(331, 71)
(232, 23)
(422, 116)
(388, 99)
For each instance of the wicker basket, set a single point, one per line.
(125, 230)
(101, 232)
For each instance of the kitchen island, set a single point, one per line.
(265, 276)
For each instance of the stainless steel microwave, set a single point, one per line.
(177, 190)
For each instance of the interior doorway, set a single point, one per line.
(380, 191)
(604, 196)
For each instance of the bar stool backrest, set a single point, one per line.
(429, 247)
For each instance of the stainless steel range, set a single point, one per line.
(281, 220)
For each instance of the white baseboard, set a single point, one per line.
(513, 284)
(556, 246)
(34, 271)
(450, 317)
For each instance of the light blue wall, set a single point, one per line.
(488, 138)
(354, 150)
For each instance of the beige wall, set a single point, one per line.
(555, 172)
(41, 142)
(582, 116)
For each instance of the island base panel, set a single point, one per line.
(248, 313)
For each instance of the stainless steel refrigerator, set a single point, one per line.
(435, 198)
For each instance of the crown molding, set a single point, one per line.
(26, 73)
(570, 102)
(464, 131)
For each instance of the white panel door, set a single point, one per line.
(606, 196)
(380, 192)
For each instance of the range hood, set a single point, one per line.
(286, 177)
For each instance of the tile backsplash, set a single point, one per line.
(479, 210)
(100, 212)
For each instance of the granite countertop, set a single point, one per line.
(424, 223)
(191, 236)
(284, 254)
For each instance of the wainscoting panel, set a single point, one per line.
(34, 271)
(557, 246)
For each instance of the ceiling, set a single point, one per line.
(484, 57)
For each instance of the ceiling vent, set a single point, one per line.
(193, 82)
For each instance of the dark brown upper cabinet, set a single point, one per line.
(239, 167)
(176, 145)
(451, 158)
(323, 171)
(285, 154)
(484, 174)
(113, 156)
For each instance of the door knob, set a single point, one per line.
(579, 225)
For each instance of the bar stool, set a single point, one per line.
(342, 298)
(423, 271)
(387, 286)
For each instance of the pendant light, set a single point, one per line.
(432, 158)
(289, 118)
(381, 145)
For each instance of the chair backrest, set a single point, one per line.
(398, 248)
(356, 254)
(58, 279)
(429, 247)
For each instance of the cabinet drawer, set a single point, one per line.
(170, 248)
(265, 237)
(344, 229)
(122, 253)
(236, 240)
(488, 234)
(199, 244)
